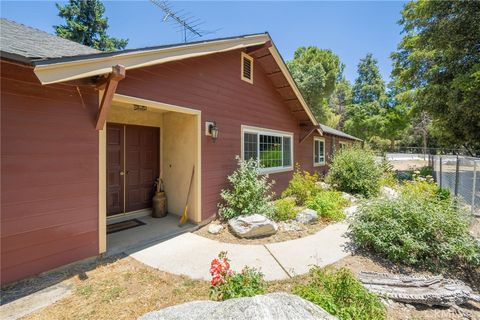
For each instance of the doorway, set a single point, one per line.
(132, 167)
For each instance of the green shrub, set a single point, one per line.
(249, 192)
(227, 284)
(341, 294)
(302, 186)
(423, 227)
(284, 209)
(354, 170)
(328, 204)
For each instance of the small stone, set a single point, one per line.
(323, 185)
(252, 226)
(214, 228)
(389, 193)
(349, 197)
(290, 226)
(350, 211)
(307, 216)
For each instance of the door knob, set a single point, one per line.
(122, 173)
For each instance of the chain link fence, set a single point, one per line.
(459, 174)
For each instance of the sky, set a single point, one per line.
(351, 29)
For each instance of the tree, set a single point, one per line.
(340, 99)
(85, 24)
(438, 60)
(316, 72)
(367, 113)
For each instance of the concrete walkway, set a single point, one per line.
(190, 254)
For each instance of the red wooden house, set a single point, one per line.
(85, 133)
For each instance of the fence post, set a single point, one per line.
(440, 178)
(457, 176)
(474, 187)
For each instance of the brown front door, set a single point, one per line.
(136, 170)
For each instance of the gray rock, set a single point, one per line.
(290, 226)
(214, 228)
(350, 211)
(349, 197)
(279, 305)
(307, 216)
(323, 185)
(252, 226)
(389, 193)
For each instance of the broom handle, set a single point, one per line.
(190, 186)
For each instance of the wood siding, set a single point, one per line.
(49, 174)
(213, 85)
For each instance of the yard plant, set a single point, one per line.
(227, 284)
(341, 294)
(328, 204)
(249, 193)
(423, 227)
(284, 209)
(354, 170)
(302, 186)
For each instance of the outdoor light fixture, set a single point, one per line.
(212, 130)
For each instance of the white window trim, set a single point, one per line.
(264, 131)
(344, 144)
(246, 56)
(317, 164)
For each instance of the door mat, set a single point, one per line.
(124, 225)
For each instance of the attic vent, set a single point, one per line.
(247, 68)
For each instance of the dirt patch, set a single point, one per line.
(283, 234)
(124, 289)
(475, 227)
(404, 165)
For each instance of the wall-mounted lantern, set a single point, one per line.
(211, 130)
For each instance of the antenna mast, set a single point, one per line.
(188, 25)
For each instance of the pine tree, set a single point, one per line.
(85, 24)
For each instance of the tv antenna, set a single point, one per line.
(185, 22)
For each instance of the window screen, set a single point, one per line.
(319, 152)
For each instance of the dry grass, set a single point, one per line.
(127, 289)
(124, 289)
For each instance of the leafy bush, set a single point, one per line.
(423, 227)
(328, 204)
(354, 170)
(249, 193)
(227, 284)
(302, 186)
(341, 294)
(284, 209)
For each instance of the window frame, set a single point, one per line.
(250, 58)
(322, 163)
(269, 132)
(343, 144)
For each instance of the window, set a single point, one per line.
(273, 149)
(318, 151)
(343, 145)
(247, 68)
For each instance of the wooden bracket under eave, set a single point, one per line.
(118, 73)
(311, 129)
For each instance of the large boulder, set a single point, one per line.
(307, 216)
(277, 305)
(252, 226)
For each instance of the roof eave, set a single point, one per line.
(73, 69)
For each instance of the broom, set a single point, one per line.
(184, 216)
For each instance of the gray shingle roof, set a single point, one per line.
(20, 42)
(336, 132)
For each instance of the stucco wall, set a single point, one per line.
(179, 154)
